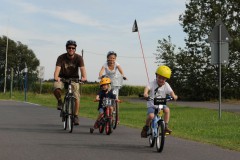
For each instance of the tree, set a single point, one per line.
(192, 64)
(18, 55)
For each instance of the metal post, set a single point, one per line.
(25, 83)
(5, 72)
(11, 87)
(220, 75)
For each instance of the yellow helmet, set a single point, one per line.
(164, 71)
(105, 80)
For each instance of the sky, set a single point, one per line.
(98, 26)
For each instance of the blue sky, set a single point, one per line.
(98, 26)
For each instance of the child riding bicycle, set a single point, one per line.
(105, 92)
(158, 88)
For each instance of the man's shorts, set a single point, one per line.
(75, 88)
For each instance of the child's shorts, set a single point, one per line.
(100, 110)
(152, 109)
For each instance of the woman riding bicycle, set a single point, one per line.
(111, 66)
(158, 88)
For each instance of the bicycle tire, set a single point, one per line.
(160, 136)
(101, 128)
(115, 117)
(71, 106)
(108, 128)
(64, 114)
(151, 138)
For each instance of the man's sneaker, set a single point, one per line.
(60, 104)
(144, 132)
(76, 120)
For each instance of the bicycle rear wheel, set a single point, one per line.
(160, 136)
(115, 116)
(71, 106)
(151, 138)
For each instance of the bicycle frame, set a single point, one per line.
(156, 119)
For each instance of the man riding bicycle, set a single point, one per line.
(68, 66)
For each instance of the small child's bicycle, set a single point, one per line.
(107, 120)
(156, 130)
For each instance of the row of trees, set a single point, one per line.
(194, 77)
(18, 55)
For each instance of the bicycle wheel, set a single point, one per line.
(115, 116)
(151, 138)
(101, 126)
(64, 113)
(160, 136)
(108, 127)
(71, 106)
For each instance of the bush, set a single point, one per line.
(92, 89)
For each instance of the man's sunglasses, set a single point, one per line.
(73, 48)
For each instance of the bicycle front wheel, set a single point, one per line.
(64, 114)
(151, 138)
(160, 136)
(108, 127)
(71, 106)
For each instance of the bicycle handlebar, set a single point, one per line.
(67, 80)
(103, 76)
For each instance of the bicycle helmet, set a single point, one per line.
(105, 80)
(164, 71)
(71, 42)
(111, 53)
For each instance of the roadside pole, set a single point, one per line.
(219, 41)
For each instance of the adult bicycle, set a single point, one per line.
(68, 110)
(107, 120)
(156, 130)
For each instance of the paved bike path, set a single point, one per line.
(32, 132)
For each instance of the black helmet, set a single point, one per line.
(111, 53)
(71, 42)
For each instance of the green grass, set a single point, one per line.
(196, 124)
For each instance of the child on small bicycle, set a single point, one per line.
(158, 88)
(105, 92)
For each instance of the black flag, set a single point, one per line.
(135, 27)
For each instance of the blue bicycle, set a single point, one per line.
(156, 130)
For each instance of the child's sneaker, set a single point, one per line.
(96, 124)
(144, 132)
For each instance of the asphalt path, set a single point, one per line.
(33, 132)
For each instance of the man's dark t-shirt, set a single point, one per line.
(69, 67)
